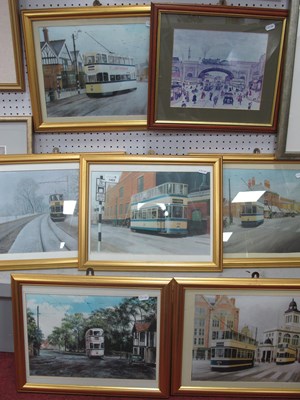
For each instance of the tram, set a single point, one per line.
(252, 214)
(161, 210)
(94, 342)
(108, 74)
(286, 354)
(56, 207)
(232, 351)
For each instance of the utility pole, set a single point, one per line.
(100, 196)
(75, 64)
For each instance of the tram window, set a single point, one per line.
(161, 213)
(154, 213)
(104, 58)
(118, 77)
(99, 77)
(96, 346)
(149, 213)
(227, 353)
(219, 353)
(170, 188)
(177, 211)
(105, 77)
(143, 214)
(90, 60)
(102, 345)
(110, 59)
(98, 58)
(179, 188)
(112, 78)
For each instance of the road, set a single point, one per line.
(261, 372)
(38, 234)
(52, 363)
(277, 235)
(132, 103)
(123, 240)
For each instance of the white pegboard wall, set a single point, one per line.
(133, 142)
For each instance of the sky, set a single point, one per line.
(53, 307)
(284, 182)
(231, 46)
(130, 39)
(50, 181)
(262, 311)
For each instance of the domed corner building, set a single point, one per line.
(287, 334)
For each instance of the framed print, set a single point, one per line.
(261, 207)
(39, 211)
(92, 335)
(15, 135)
(150, 213)
(11, 71)
(215, 67)
(236, 337)
(288, 145)
(88, 67)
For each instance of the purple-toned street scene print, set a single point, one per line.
(218, 69)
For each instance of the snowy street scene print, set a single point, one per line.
(39, 211)
(91, 335)
(246, 338)
(218, 69)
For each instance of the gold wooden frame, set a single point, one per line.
(11, 42)
(267, 258)
(37, 169)
(197, 371)
(76, 21)
(149, 380)
(169, 260)
(25, 138)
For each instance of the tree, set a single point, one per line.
(34, 334)
(27, 199)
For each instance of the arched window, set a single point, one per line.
(287, 338)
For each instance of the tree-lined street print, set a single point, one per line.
(92, 336)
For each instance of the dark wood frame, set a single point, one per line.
(162, 116)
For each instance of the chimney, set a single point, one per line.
(46, 36)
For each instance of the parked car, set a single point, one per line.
(135, 359)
